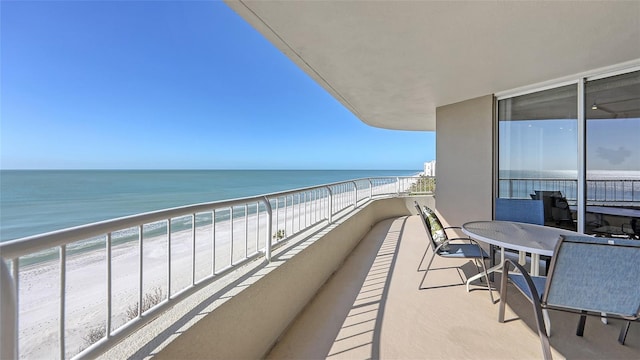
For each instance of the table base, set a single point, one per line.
(535, 265)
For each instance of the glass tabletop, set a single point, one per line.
(531, 238)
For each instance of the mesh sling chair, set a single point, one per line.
(520, 210)
(443, 246)
(588, 276)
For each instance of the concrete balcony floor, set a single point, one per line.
(377, 306)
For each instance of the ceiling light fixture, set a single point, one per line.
(594, 106)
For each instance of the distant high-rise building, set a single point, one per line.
(430, 168)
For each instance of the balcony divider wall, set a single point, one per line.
(464, 160)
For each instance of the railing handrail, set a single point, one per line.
(27, 245)
(607, 191)
(560, 179)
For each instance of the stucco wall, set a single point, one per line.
(464, 154)
(249, 324)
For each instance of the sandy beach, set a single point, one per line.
(86, 276)
(86, 282)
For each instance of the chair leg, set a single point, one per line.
(423, 256)
(547, 262)
(547, 321)
(546, 348)
(503, 292)
(623, 332)
(581, 322)
(478, 265)
(492, 250)
(427, 270)
(486, 276)
(542, 331)
(535, 302)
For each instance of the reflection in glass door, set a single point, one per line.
(612, 112)
(537, 157)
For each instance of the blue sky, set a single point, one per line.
(171, 85)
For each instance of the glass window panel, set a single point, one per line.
(537, 156)
(613, 156)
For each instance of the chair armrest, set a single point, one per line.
(471, 242)
(462, 238)
(528, 282)
(456, 228)
(452, 227)
(468, 239)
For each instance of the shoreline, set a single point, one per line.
(86, 277)
(78, 197)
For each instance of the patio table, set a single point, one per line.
(529, 238)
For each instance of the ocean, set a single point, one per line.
(38, 201)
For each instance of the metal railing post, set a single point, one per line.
(246, 230)
(355, 200)
(140, 268)
(330, 207)
(510, 188)
(63, 297)
(109, 286)
(8, 313)
(193, 249)
(169, 256)
(231, 235)
(370, 189)
(258, 226)
(267, 245)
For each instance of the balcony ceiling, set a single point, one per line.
(393, 63)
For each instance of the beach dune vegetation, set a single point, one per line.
(149, 300)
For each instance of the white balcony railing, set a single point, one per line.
(77, 291)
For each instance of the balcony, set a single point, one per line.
(372, 308)
(345, 283)
(352, 289)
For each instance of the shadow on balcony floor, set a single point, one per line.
(373, 308)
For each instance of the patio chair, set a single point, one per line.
(560, 211)
(445, 235)
(520, 210)
(634, 231)
(588, 276)
(444, 246)
(548, 202)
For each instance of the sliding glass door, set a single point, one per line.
(613, 156)
(537, 156)
(541, 154)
